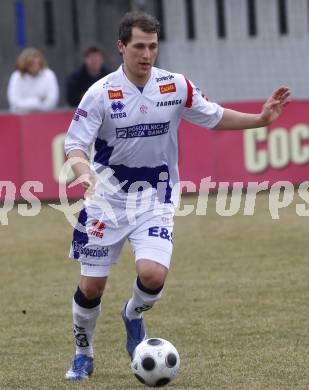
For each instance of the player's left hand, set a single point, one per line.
(274, 105)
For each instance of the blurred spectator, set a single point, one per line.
(88, 73)
(32, 86)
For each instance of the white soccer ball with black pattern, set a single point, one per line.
(155, 362)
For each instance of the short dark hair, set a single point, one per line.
(93, 48)
(142, 20)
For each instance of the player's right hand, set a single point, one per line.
(88, 181)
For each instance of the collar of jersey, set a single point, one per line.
(133, 86)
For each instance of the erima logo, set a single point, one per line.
(115, 94)
(167, 88)
(168, 103)
(164, 78)
(97, 228)
(117, 106)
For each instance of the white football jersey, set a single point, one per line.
(134, 132)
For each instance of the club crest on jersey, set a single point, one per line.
(143, 109)
(117, 107)
(167, 88)
(115, 94)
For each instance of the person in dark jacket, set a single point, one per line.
(88, 73)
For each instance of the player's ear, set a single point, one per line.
(120, 46)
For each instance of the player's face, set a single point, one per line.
(139, 55)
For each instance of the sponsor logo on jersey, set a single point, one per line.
(118, 106)
(164, 78)
(79, 112)
(167, 88)
(165, 103)
(115, 94)
(90, 252)
(143, 130)
(97, 228)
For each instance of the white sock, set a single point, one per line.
(84, 321)
(141, 301)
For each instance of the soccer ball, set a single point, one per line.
(155, 362)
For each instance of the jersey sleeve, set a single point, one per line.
(86, 123)
(199, 110)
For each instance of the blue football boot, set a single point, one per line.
(136, 332)
(81, 368)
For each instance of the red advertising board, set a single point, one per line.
(10, 156)
(43, 154)
(31, 150)
(279, 152)
(31, 154)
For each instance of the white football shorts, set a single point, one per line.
(98, 239)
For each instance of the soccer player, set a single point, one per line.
(131, 116)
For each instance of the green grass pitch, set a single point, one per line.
(236, 304)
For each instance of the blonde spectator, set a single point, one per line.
(32, 86)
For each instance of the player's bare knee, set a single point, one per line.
(92, 288)
(152, 281)
(152, 276)
(91, 292)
